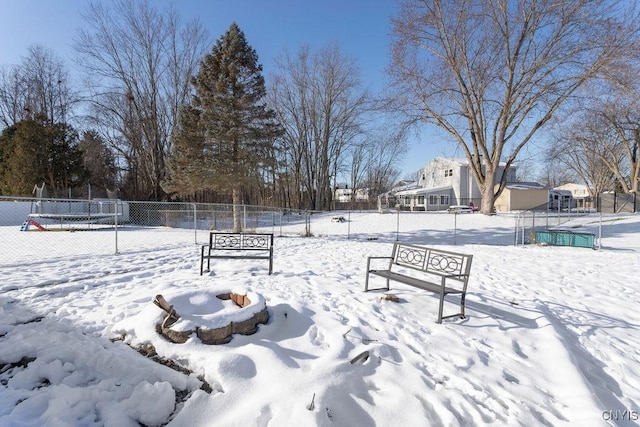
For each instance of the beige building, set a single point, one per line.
(519, 196)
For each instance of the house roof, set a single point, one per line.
(461, 160)
(525, 186)
(416, 191)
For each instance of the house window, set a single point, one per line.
(448, 172)
(444, 200)
(421, 200)
(433, 200)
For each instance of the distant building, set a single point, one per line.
(560, 199)
(444, 182)
(580, 196)
(520, 196)
(346, 195)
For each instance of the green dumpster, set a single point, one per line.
(565, 238)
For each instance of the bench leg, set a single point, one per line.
(441, 307)
(201, 259)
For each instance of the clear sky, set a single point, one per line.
(362, 27)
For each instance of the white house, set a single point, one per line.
(444, 182)
(343, 195)
(578, 196)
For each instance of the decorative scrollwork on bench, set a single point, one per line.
(445, 263)
(227, 241)
(410, 256)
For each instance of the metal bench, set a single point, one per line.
(237, 246)
(434, 270)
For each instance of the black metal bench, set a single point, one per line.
(237, 245)
(434, 270)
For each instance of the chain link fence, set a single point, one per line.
(109, 226)
(528, 222)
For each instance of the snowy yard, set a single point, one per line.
(552, 335)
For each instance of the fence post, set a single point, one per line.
(115, 221)
(455, 227)
(195, 223)
(533, 224)
(600, 232)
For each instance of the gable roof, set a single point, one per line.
(421, 190)
(462, 161)
(525, 186)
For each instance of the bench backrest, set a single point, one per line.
(436, 261)
(241, 241)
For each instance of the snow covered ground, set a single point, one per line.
(552, 335)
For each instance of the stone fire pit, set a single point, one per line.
(211, 317)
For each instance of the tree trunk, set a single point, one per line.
(486, 205)
(237, 208)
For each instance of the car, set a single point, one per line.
(459, 209)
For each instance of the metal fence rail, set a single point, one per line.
(528, 222)
(106, 226)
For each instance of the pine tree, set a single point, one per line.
(226, 135)
(36, 150)
(186, 170)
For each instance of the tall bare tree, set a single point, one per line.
(319, 100)
(375, 159)
(140, 61)
(600, 143)
(492, 73)
(37, 87)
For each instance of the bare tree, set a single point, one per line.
(13, 96)
(600, 144)
(140, 61)
(318, 99)
(38, 86)
(492, 73)
(374, 161)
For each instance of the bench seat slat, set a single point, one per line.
(414, 281)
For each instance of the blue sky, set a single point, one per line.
(362, 27)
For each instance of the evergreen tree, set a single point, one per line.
(225, 137)
(35, 151)
(186, 171)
